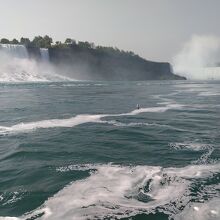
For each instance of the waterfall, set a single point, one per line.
(17, 66)
(20, 51)
(15, 50)
(44, 54)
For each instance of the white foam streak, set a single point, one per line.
(70, 122)
(77, 120)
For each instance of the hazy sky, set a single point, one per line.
(155, 29)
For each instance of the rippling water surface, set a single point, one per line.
(80, 150)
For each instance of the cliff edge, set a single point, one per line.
(106, 64)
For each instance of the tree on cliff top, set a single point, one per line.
(14, 41)
(25, 41)
(86, 44)
(42, 42)
(47, 41)
(5, 41)
(70, 41)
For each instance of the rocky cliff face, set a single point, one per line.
(93, 64)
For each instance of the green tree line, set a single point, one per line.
(47, 42)
(38, 41)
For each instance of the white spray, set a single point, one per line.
(16, 66)
(199, 58)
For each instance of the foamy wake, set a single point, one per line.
(77, 120)
(116, 192)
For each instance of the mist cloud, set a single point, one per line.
(199, 58)
(15, 69)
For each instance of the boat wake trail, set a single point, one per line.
(79, 119)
